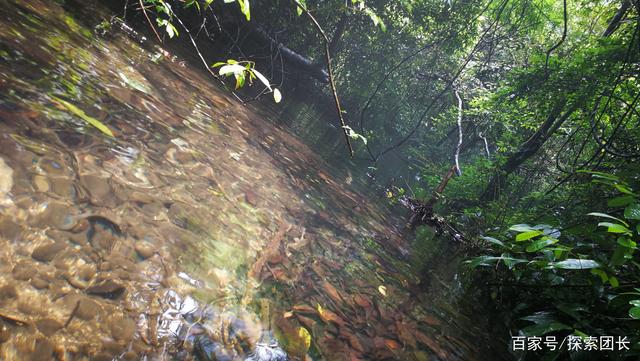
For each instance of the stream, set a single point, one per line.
(144, 211)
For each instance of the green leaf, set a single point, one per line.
(244, 8)
(614, 227)
(527, 235)
(632, 211)
(604, 215)
(575, 263)
(540, 244)
(620, 201)
(301, 4)
(613, 281)
(635, 303)
(602, 274)
(634, 312)
(220, 63)
(81, 114)
(624, 189)
(277, 97)
(493, 240)
(627, 242)
(521, 228)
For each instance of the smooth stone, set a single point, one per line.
(107, 289)
(5, 333)
(87, 309)
(40, 183)
(9, 229)
(43, 351)
(39, 284)
(122, 328)
(47, 252)
(7, 292)
(23, 270)
(48, 326)
(6, 178)
(144, 249)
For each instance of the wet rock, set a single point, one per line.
(39, 284)
(5, 333)
(251, 198)
(8, 292)
(24, 270)
(43, 350)
(40, 183)
(122, 328)
(6, 179)
(107, 289)
(47, 252)
(57, 215)
(144, 249)
(9, 229)
(87, 308)
(48, 326)
(99, 190)
(29, 307)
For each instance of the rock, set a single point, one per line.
(39, 284)
(48, 326)
(45, 253)
(8, 292)
(122, 328)
(43, 351)
(23, 270)
(40, 183)
(9, 229)
(6, 179)
(87, 309)
(5, 333)
(144, 249)
(107, 289)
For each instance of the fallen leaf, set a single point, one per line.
(81, 114)
(383, 290)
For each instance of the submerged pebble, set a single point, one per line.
(6, 179)
(107, 289)
(47, 252)
(48, 326)
(144, 249)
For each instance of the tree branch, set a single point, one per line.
(327, 55)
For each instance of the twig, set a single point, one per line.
(486, 145)
(144, 11)
(73, 313)
(327, 55)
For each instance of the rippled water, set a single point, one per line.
(197, 220)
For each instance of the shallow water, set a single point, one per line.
(196, 212)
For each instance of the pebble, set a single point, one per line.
(39, 284)
(144, 249)
(122, 328)
(48, 326)
(45, 253)
(43, 351)
(87, 309)
(6, 179)
(40, 183)
(107, 289)
(8, 291)
(24, 270)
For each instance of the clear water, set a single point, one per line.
(198, 217)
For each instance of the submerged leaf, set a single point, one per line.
(81, 114)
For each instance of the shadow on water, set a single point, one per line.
(143, 211)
